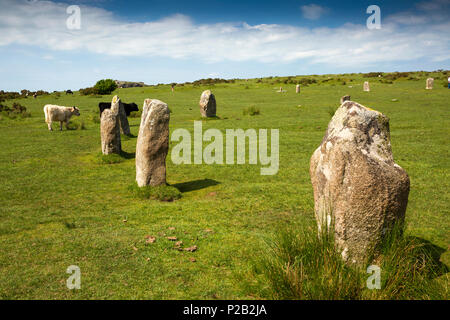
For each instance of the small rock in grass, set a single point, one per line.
(191, 249)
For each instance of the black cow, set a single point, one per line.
(129, 107)
(69, 92)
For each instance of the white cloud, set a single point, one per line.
(43, 24)
(434, 5)
(313, 11)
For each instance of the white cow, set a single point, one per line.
(58, 113)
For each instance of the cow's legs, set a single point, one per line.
(60, 127)
(49, 124)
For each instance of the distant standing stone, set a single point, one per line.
(366, 86)
(118, 108)
(110, 132)
(430, 82)
(207, 104)
(297, 88)
(359, 191)
(345, 98)
(152, 144)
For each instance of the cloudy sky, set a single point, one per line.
(160, 41)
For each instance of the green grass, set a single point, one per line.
(161, 193)
(59, 207)
(301, 265)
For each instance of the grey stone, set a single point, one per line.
(207, 104)
(152, 144)
(360, 193)
(110, 132)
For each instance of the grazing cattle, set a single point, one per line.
(69, 92)
(129, 107)
(58, 113)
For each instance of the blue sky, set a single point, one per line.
(176, 41)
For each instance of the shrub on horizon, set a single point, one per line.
(105, 86)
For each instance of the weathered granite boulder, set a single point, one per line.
(207, 104)
(430, 82)
(366, 86)
(152, 144)
(118, 108)
(345, 98)
(110, 132)
(359, 191)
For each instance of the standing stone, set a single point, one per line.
(152, 144)
(430, 82)
(359, 191)
(110, 132)
(297, 88)
(366, 86)
(207, 104)
(345, 98)
(119, 109)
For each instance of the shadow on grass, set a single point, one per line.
(434, 252)
(208, 118)
(128, 136)
(195, 185)
(128, 155)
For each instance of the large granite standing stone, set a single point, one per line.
(345, 98)
(366, 86)
(359, 191)
(119, 109)
(430, 82)
(152, 144)
(297, 88)
(110, 132)
(207, 104)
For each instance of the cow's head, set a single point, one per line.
(75, 111)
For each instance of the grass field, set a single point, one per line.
(59, 206)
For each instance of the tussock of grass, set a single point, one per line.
(95, 118)
(305, 266)
(135, 114)
(251, 111)
(76, 125)
(161, 193)
(332, 111)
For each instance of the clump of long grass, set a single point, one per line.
(332, 110)
(135, 114)
(252, 111)
(76, 125)
(161, 193)
(305, 265)
(95, 118)
(113, 158)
